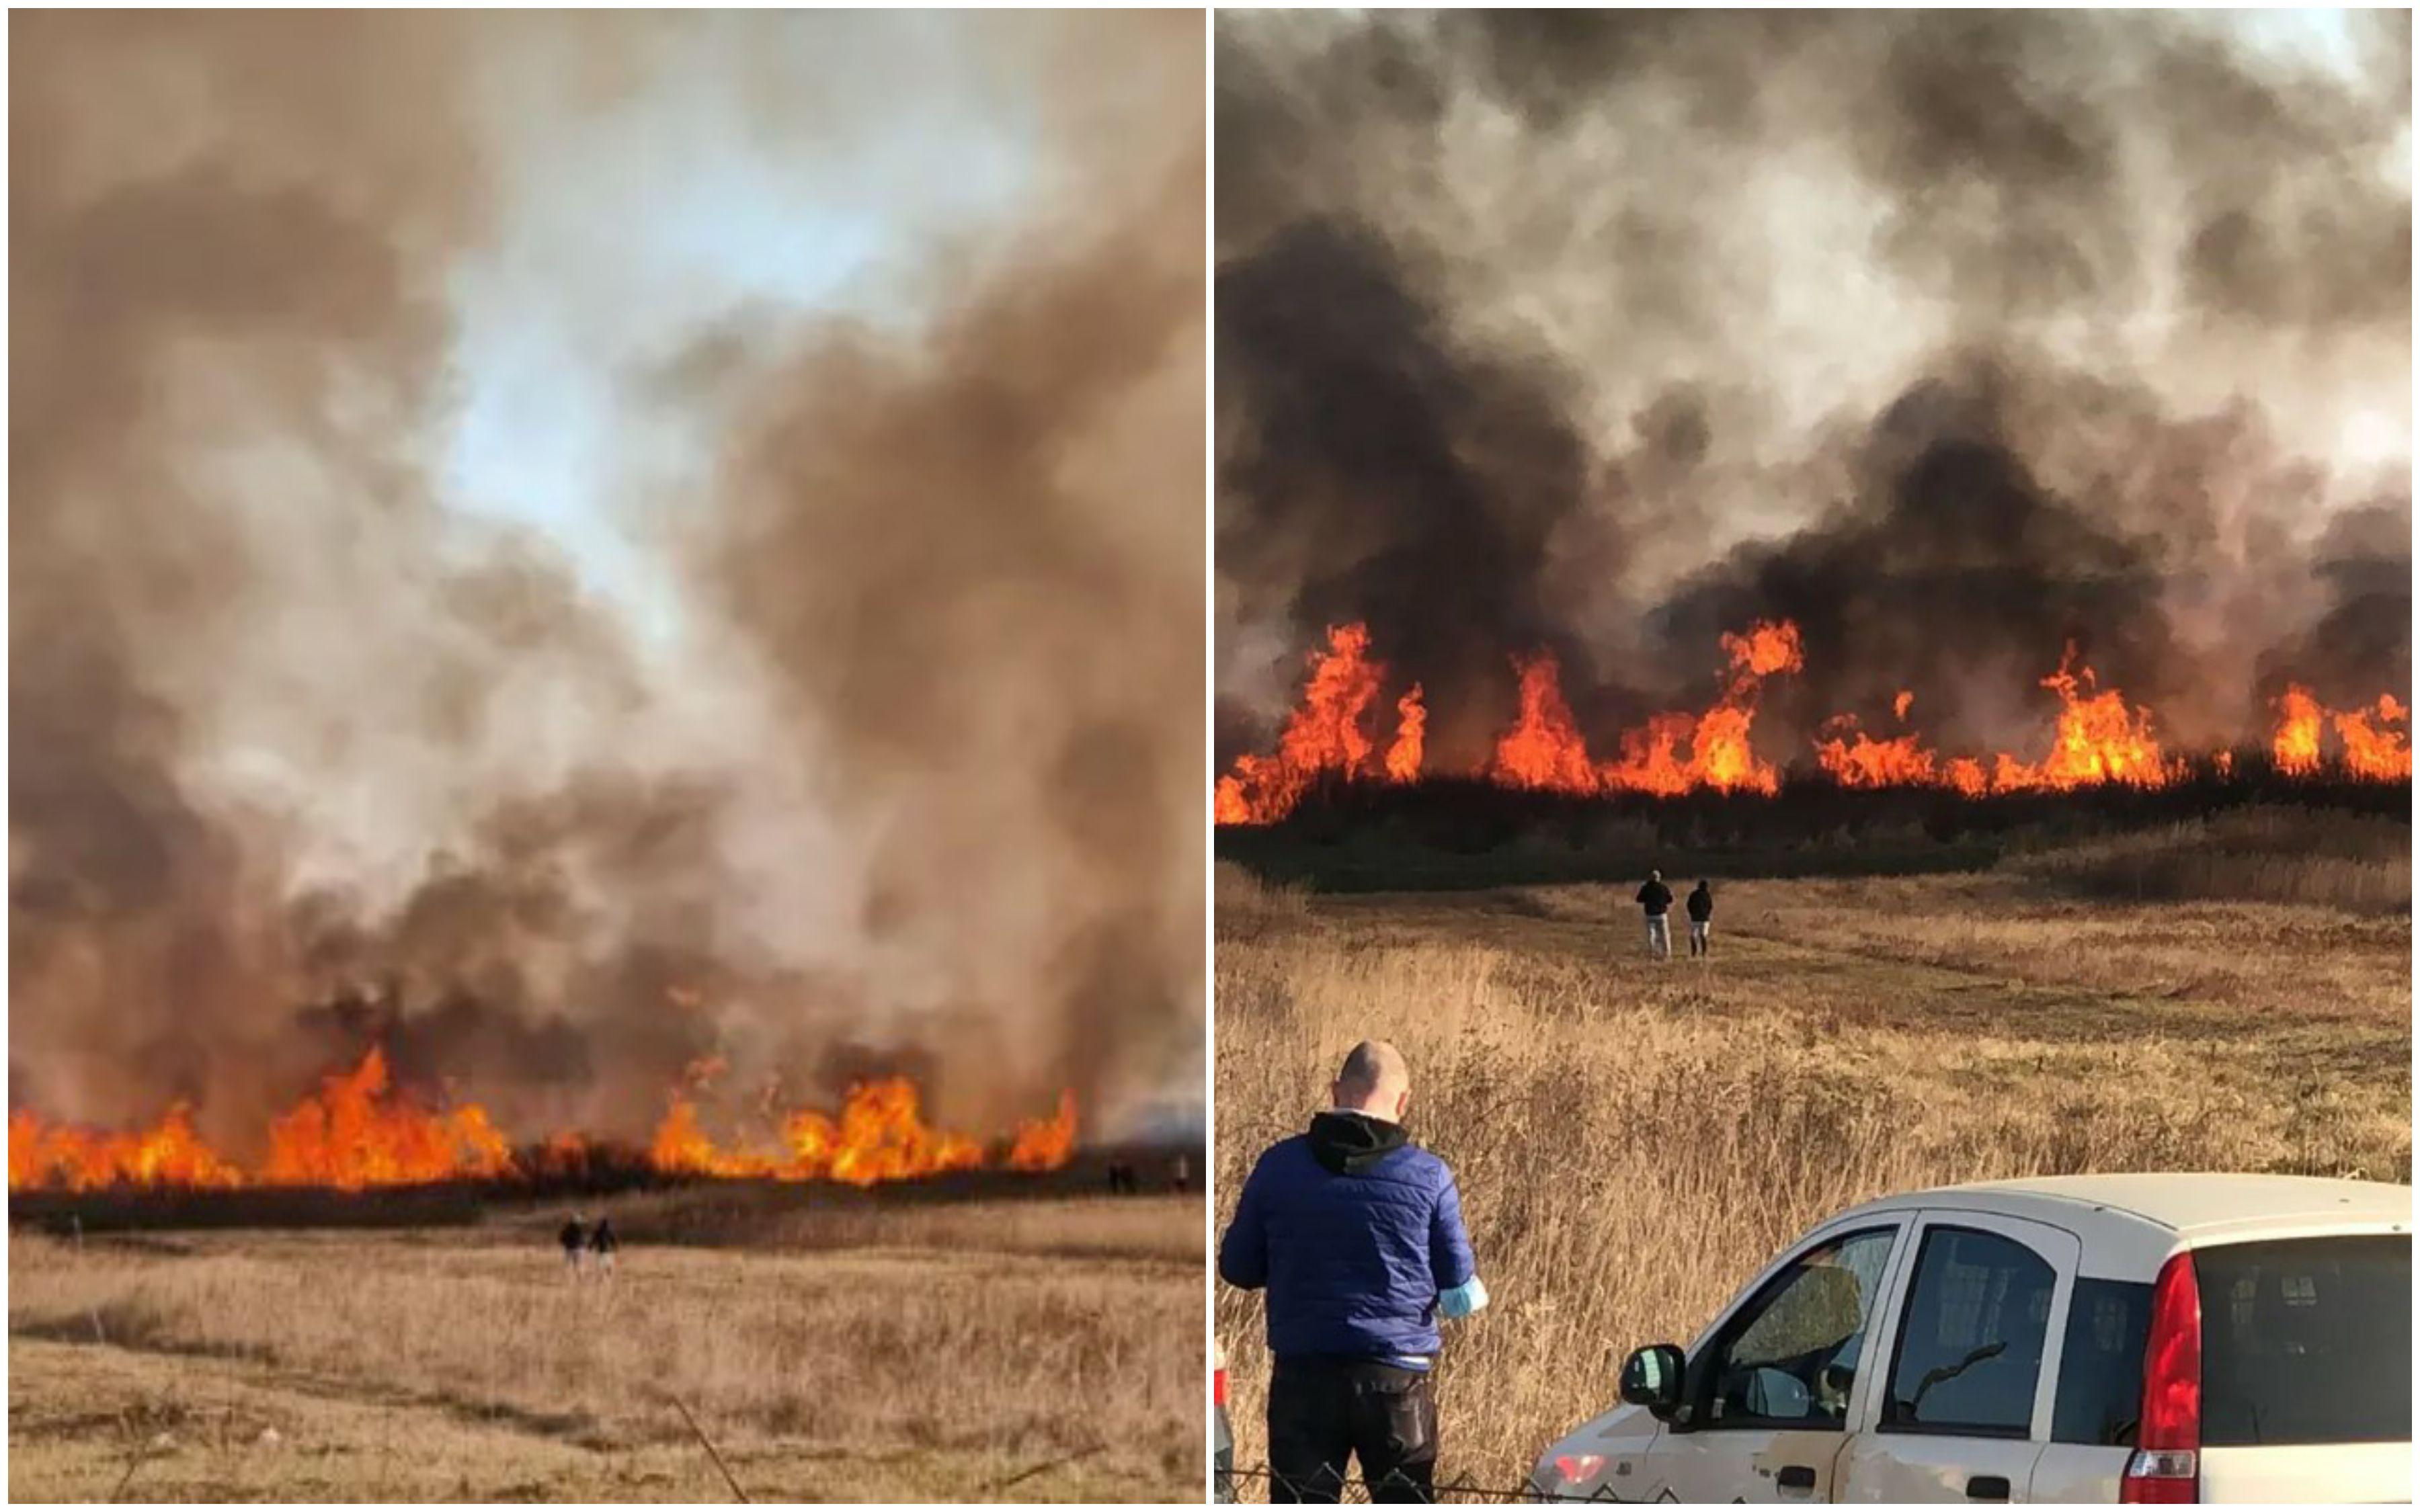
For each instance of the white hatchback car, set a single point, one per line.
(2088, 1338)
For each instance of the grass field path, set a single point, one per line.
(462, 1365)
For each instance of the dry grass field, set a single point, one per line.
(1635, 1139)
(1031, 1351)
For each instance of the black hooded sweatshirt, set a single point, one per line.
(1656, 898)
(1701, 903)
(1351, 1143)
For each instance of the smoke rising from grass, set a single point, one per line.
(1955, 336)
(305, 755)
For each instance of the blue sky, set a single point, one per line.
(627, 227)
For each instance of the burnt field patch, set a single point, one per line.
(139, 1212)
(1461, 833)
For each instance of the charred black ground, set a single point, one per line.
(1443, 833)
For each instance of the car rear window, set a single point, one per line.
(2306, 1341)
(2100, 1369)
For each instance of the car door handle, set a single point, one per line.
(1987, 1487)
(1796, 1478)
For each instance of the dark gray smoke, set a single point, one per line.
(1953, 336)
(304, 757)
(1379, 456)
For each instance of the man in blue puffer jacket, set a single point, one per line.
(1357, 1233)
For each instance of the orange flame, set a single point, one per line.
(1322, 735)
(1411, 727)
(1544, 748)
(2368, 752)
(1768, 649)
(1723, 759)
(1967, 774)
(2380, 755)
(1856, 759)
(879, 1135)
(352, 1134)
(66, 1158)
(2297, 745)
(1046, 1144)
(357, 1133)
(2100, 739)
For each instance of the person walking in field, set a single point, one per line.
(1355, 1234)
(1702, 918)
(602, 1246)
(573, 1238)
(1657, 900)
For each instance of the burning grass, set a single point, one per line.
(2097, 738)
(881, 1351)
(359, 1130)
(1634, 1141)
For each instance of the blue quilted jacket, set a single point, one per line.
(1354, 1231)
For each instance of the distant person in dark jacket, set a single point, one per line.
(602, 1246)
(1702, 918)
(1657, 900)
(1356, 1234)
(572, 1237)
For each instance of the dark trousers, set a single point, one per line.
(1322, 1412)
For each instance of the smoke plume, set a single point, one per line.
(306, 756)
(1954, 338)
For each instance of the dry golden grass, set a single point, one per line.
(1635, 1139)
(2359, 862)
(939, 1357)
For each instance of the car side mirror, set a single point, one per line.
(1651, 1377)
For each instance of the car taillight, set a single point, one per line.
(1576, 1469)
(1219, 1387)
(2166, 1466)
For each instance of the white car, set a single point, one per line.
(2087, 1339)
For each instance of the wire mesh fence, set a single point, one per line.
(1259, 1483)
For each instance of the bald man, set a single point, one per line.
(1356, 1234)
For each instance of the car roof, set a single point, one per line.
(2129, 1222)
(2188, 1202)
